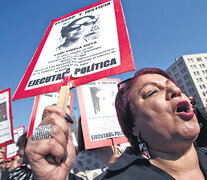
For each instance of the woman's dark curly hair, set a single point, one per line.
(122, 103)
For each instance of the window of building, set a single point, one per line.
(199, 79)
(197, 73)
(191, 90)
(193, 66)
(202, 86)
(183, 70)
(169, 73)
(182, 87)
(180, 64)
(176, 75)
(189, 83)
(186, 77)
(199, 59)
(174, 69)
(190, 60)
(205, 93)
(202, 65)
(179, 81)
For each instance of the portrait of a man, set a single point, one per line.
(103, 100)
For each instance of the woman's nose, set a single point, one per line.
(173, 91)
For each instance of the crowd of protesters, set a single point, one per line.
(17, 167)
(156, 117)
(160, 141)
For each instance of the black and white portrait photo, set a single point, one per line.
(80, 31)
(103, 100)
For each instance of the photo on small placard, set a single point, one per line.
(3, 112)
(98, 115)
(6, 120)
(103, 100)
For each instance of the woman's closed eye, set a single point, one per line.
(151, 93)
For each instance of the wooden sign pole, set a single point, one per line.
(62, 102)
(64, 93)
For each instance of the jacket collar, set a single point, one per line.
(127, 158)
(202, 156)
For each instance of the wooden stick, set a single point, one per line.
(62, 102)
(64, 93)
(114, 147)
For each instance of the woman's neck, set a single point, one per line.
(179, 165)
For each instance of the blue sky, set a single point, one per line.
(159, 32)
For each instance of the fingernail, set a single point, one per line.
(68, 118)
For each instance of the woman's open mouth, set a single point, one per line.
(183, 110)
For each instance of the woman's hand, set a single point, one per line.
(52, 158)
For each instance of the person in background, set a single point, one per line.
(8, 166)
(24, 170)
(201, 140)
(21, 143)
(92, 162)
(2, 151)
(154, 115)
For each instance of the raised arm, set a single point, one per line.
(50, 149)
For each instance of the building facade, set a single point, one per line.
(190, 73)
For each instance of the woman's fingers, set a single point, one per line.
(51, 152)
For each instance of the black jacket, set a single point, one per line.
(130, 166)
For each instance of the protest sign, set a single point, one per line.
(6, 122)
(12, 149)
(40, 102)
(98, 115)
(90, 43)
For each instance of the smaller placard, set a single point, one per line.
(12, 149)
(40, 103)
(98, 115)
(6, 122)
